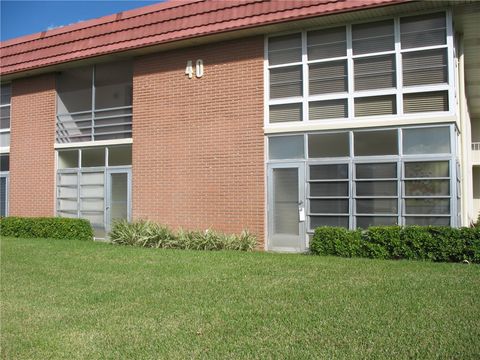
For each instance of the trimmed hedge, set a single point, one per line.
(46, 227)
(434, 243)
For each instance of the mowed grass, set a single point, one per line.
(84, 300)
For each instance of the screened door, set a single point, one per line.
(286, 209)
(118, 197)
(3, 195)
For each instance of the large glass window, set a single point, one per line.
(363, 178)
(379, 68)
(5, 96)
(82, 179)
(94, 103)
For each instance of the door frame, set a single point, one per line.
(108, 194)
(302, 225)
(6, 175)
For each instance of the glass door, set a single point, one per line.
(286, 207)
(118, 206)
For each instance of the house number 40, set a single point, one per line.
(198, 68)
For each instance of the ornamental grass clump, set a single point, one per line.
(149, 234)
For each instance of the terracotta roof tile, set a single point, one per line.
(160, 23)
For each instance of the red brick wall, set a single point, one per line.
(32, 155)
(198, 146)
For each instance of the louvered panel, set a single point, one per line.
(425, 102)
(285, 49)
(286, 82)
(328, 77)
(285, 113)
(425, 67)
(373, 37)
(423, 30)
(377, 105)
(327, 43)
(374, 72)
(329, 109)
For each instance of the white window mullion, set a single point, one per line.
(451, 70)
(398, 66)
(305, 74)
(266, 84)
(350, 75)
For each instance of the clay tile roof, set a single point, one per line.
(157, 24)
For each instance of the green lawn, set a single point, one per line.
(84, 300)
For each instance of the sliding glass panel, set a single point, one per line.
(376, 72)
(329, 77)
(336, 221)
(285, 113)
(329, 206)
(425, 67)
(373, 37)
(377, 206)
(328, 109)
(74, 90)
(427, 206)
(113, 85)
(285, 207)
(330, 171)
(327, 43)
(376, 188)
(427, 188)
(375, 105)
(67, 159)
(427, 220)
(376, 170)
(370, 143)
(3, 196)
(425, 102)
(328, 145)
(4, 162)
(286, 147)
(365, 222)
(286, 82)
(285, 49)
(93, 157)
(427, 169)
(329, 189)
(423, 30)
(120, 155)
(435, 140)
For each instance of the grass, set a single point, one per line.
(84, 300)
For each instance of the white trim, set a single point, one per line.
(5, 150)
(94, 143)
(342, 124)
(398, 91)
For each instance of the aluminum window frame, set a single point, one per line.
(6, 149)
(398, 91)
(93, 111)
(80, 170)
(400, 159)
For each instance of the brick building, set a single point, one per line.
(272, 116)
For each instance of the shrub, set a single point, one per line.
(46, 227)
(435, 243)
(149, 234)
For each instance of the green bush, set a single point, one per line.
(149, 234)
(46, 227)
(435, 243)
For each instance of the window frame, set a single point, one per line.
(351, 94)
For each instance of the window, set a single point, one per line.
(94, 103)
(372, 177)
(5, 96)
(82, 182)
(4, 169)
(384, 68)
